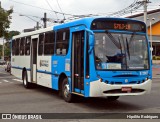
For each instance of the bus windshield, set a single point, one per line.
(120, 51)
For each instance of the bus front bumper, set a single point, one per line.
(101, 89)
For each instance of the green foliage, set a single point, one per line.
(0, 50)
(5, 20)
(10, 34)
(7, 51)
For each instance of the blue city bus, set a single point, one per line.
(90, 57)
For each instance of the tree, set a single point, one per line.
(8, 36)
(5, 20)
(1, 50)
(7, 51)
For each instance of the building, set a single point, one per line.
(153, 20)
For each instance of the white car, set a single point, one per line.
(2, 62)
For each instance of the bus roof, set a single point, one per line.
(33, 32)
(84, 21)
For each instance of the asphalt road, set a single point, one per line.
(14, 98)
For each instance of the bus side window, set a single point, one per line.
(63, 51)
(22, 46)
(62, 42)
(41, 44)
(27, 46)
(49, 43)
(17, 46)
(13, 47)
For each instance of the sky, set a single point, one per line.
(36, 8)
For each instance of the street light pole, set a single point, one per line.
(37, 23)
(151, 37)
(3, 49)
(150, 24)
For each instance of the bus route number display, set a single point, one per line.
(128, 25)
(119, 26)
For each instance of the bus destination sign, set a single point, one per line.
(120, 26)
(126, 25)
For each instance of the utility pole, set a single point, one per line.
(145, 10)
(145, 2)
(45, 20)
(37, 26)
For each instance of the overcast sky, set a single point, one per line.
(67, 6)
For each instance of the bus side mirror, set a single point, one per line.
(91, 43)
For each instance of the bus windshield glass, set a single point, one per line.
(120, 51)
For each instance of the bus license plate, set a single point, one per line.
(126, 89)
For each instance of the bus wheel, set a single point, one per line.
(112, 98)
(67, 96)
(25, 80)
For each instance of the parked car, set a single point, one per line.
(8, 67)
(2, 62)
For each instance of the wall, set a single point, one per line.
(155, 29)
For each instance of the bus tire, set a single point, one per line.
(67, 96)
(112, 98)
(26, 84)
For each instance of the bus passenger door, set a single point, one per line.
(78, 61)
(34, 59)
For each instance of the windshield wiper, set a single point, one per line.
(113, 39)
(128, 48)
(128, 43)
(132, 36)
(120, 44)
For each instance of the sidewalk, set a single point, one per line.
(156, 71)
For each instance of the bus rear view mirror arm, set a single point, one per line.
(91, 40)
(91, 43)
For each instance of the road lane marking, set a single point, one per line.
(10, 77)
(3, 73)
(17, 80)
(6, 81)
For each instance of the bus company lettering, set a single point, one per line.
(44, 63)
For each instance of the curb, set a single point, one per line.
(155, 77)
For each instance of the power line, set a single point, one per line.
(51, 8)
(130, 8)
(80, 16)
(30, 17)
(26, 14)
(60, 8)
(42, 8)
